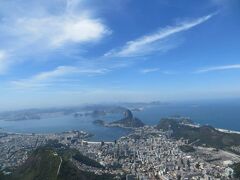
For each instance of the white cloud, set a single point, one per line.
(218, 68)
(56, 31)
(49, 77)
(3, 61)
(43, 27)
(169, 72)
(143, 45)
(149, 70)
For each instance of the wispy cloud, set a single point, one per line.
(225, 3)
(149, 70)
(152, 70)
(146, 44)
(218, 68)
(3, 61)
(49, 77)
(169, 72)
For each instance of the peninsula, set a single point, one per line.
(129, 121)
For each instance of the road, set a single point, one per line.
(59, 165)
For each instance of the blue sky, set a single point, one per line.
(69, 52)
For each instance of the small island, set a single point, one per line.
(127, 122)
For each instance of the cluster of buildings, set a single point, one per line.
(146, 153)
(15, 147)
(236, 149)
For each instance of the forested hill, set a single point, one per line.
(203, 135)
(52, 163)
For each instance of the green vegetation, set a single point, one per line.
(236, 168)
(85, 160)
(42, 164)
(70, 172)
(1, 175)
(187, 148)
(128, 121)
(204, 135)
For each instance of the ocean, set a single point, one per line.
(224, 115)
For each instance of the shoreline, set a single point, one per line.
(111, 126)
(228, 131)
(219, 129)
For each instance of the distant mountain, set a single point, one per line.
(96, 111)
(127, 122)
(36, 114)
(203, 135)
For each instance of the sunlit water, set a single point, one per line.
(221, 115)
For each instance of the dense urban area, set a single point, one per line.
(146, 153)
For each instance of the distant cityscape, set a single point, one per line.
(148, 152)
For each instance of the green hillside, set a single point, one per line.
(204, 135)
(128, 121)
(70, 172)
(43, 164)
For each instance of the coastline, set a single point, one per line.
(112, 126)
(228, 131)
(219, 129)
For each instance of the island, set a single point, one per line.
(129, 121)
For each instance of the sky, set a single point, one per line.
(71, 52)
